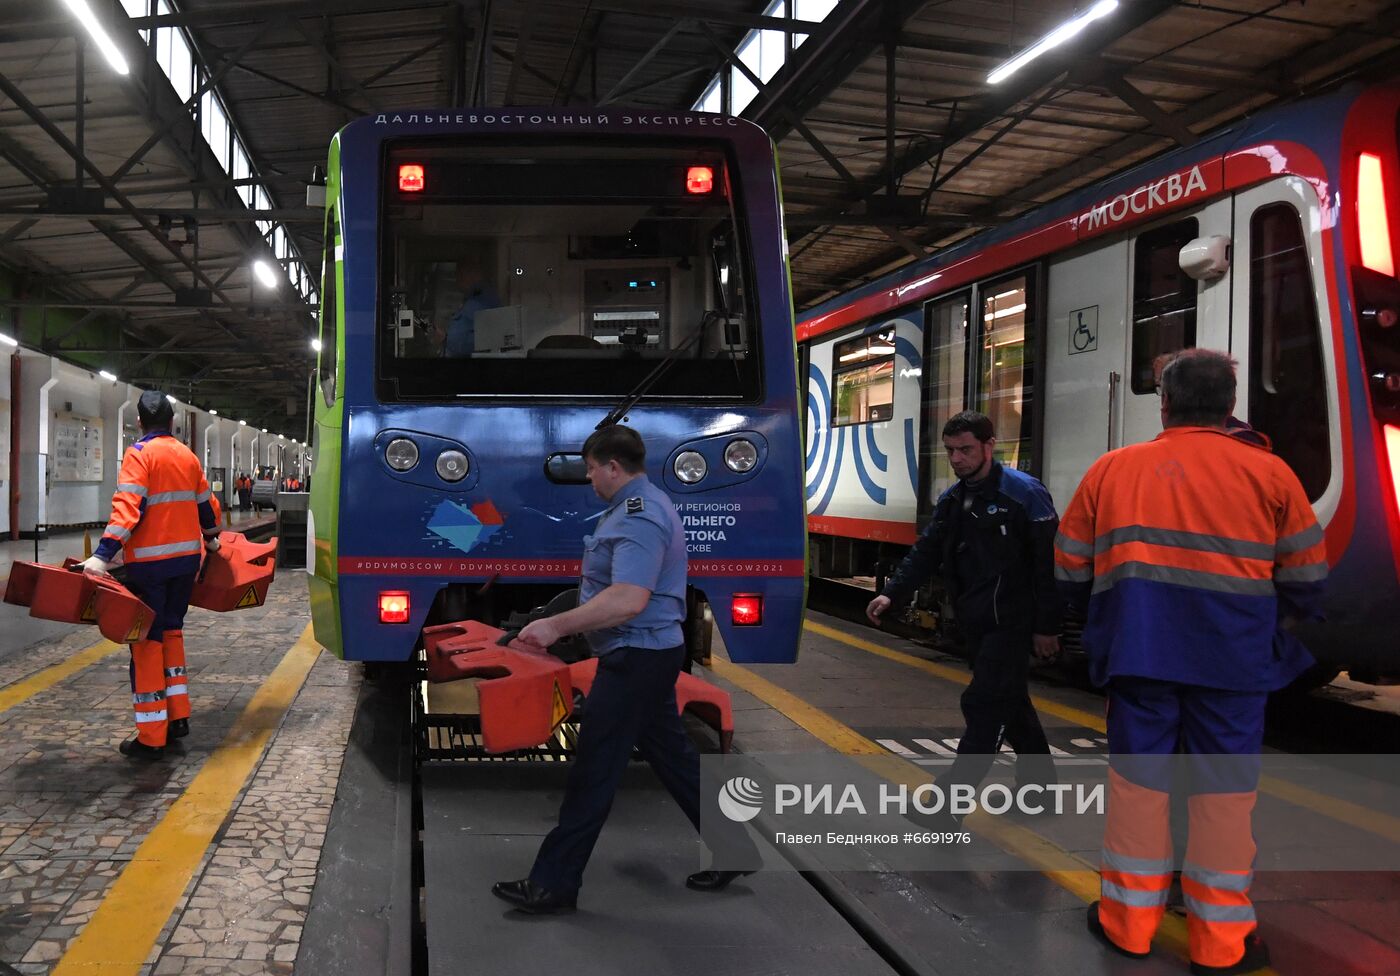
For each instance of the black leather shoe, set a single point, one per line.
(535, 899)
(1096, 929)
(134, 748)
(713, 880)
(1256, 956)
(179, 728)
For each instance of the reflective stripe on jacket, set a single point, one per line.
(1188, 550)
(162, 506)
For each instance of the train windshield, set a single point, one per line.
(547, 270)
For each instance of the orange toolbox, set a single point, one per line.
(237, 576)
(524, 693)
(68, 594)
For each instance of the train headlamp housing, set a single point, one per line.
(740, 455)
(690, 467)
(401, 454)
(452, 465)
(717, 461)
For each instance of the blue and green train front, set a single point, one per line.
(495, 288)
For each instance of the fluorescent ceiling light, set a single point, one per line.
(8, 340)
(243, 423)
(1054, 39)
(109, 377)
(264, 274)
(171, 398)
(99, 35)
(213, 413)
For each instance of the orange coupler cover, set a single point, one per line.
(60, 593)
(237, 576)
(524, 693)
(707, 702)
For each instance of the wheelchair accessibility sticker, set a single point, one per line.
(1084, 330)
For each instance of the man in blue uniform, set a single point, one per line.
(631, 605)
(477, 296)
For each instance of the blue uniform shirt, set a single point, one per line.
(639, 540)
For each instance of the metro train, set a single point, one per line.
(1272, 238)
(496, 284)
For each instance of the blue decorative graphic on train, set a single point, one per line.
(465, 528)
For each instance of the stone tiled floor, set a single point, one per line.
(72, 811)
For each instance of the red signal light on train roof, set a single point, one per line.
(393, 607)
(699, 180)
(411, 178)
(1372, 217)
(746, 609)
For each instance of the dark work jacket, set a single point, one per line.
(996, 558)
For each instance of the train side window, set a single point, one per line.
(1287, 384)
(326, 358)
(1006, 368)
(1164, 299)
(944, 386)
(864, 378)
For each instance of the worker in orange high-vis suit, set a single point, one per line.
(1189, 551)
(163, 519)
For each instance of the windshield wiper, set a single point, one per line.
(648, 381)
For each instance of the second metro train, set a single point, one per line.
(1274, 239)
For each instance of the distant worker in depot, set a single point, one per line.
(991, 540)
(163, 518)
(478, 295)
(631, 606)
(1191, 552)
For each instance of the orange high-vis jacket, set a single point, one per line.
(1189, 550)
(162, 507)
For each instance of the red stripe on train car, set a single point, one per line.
(548, 568)
(904, 533)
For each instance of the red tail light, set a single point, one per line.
(1392, 448)
(411, 178)
(393, 607)
(699, 179)
(1371, 215)
(746, 610)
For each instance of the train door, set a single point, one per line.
(1287, 373)
(1168, 310)
(944, 391)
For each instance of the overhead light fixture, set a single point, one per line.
(213, 412)
(99, 35)
(264, 430)
(8, 340)
(243, 423)
(316, 345)
(171, 399)
(1069, 29)
(109, 377)
(264, 273)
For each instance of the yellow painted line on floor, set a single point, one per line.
(21, 691)
(1375, 822)
(1068, 870)
(119, 938)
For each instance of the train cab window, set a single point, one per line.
(863, 370)
(944, 389)
(1164, 300)
(1287, 384)
(326, 357)
(536, 268)
(1006, 371)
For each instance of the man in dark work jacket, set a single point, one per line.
(992, 540)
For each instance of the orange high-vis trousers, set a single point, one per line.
(148, 691)
(177, 695)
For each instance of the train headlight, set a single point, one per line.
(402, 454)
(690, 466)
(740, 456)
(452, 465)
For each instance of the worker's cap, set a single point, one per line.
(154, 409)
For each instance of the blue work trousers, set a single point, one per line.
(632, 704)
(165, 589)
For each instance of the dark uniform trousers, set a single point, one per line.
(632, 703)
(158, 682)
(997, 708)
